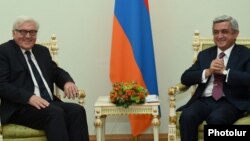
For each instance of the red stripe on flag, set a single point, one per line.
(146, 3)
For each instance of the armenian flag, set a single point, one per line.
(132, 53)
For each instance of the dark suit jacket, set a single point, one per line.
(236, 89)
(16, 85)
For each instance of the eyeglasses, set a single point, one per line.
(25, 32)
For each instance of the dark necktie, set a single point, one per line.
(217, 91)
(43, 91)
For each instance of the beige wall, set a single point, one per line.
(84, 27)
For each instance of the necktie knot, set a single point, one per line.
(221, 55)
(27, 53)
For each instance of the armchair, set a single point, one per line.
(199, 43)
(13, 132)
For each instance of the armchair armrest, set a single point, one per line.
(81, 96)
(172, 91)
(178, 88)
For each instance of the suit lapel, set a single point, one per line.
(40, 60)
(37, 55)
(213, 55)
(20, 56)
(233, 58)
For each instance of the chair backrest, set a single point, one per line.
(201, 43)
(53, 48)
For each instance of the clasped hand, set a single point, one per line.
(216, 67)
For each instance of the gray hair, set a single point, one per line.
(22, 19)
(230, 19)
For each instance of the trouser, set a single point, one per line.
(60, 121)
(206, 109)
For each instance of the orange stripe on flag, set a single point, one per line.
(123, 66)
(139, 123)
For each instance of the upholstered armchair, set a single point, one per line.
(199, 43)
(13, 132)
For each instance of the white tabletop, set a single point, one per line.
(105, 101)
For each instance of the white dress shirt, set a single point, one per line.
(36, 90)
(209, 88)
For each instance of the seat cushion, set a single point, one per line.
(18, 131)
(243, 121)
(26, 139)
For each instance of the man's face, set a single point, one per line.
(224, 36)
(25, 35)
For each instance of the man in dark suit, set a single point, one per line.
(217, 101)
(23, 101)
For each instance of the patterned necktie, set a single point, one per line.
(43, 91)
(217, 91)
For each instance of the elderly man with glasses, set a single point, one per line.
(27, 75)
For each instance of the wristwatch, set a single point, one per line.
(225, 72)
